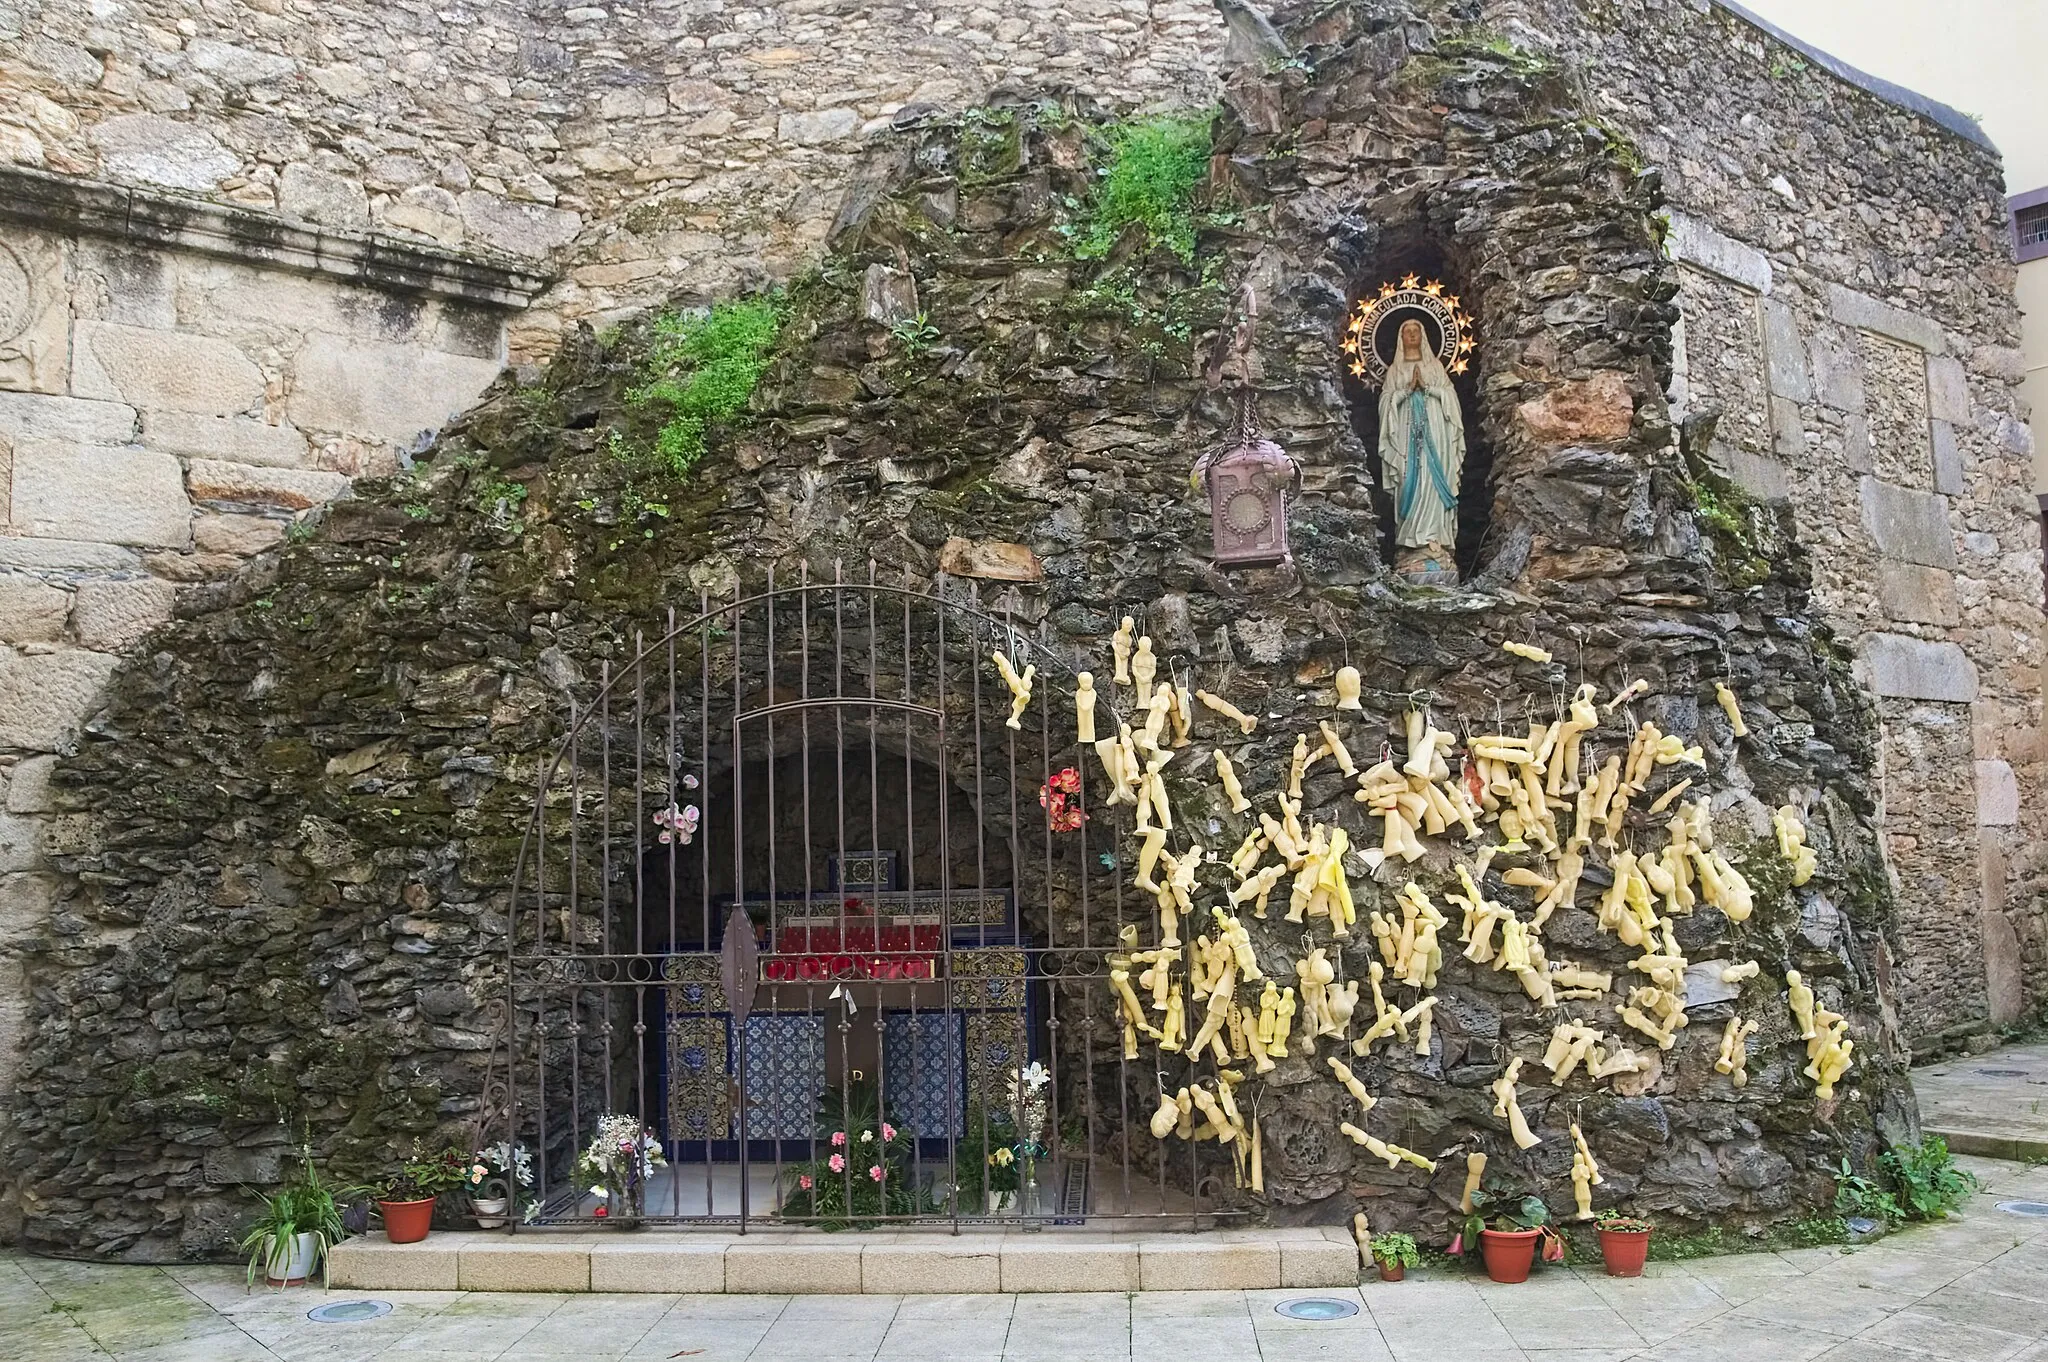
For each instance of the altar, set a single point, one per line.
(925, 987)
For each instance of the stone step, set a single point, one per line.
(1994, 1105)
(880, 1263)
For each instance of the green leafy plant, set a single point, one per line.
(985, 1157)
(866, 1172)
(703, 368)
(915, 334)
(1155, 167)
(1395, 1250)
(1857, 1195)
(1619, 1223)
(427, 1173)
(1928, 1181)
(304, 1205)
(500, 499)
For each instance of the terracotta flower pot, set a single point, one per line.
(1625, 1251)
(1509, 1254)
(407, 1222)
(1391, 1272)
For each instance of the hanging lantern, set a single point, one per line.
(1250, 482)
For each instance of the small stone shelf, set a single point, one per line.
(881, 1263)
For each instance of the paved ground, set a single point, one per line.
(1970, 1290)
(1994, 1104)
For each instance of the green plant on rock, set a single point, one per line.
(702, 369)
(915, 334)
(500, 499)
(1929, 1185)
(1156, 165)
(1914, 1182)
(1857, 1195)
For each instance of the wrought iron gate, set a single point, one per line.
(804, 896)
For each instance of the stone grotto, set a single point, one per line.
(1432, 735)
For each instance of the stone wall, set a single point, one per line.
(178, 382)
(1847, 283)
(293, 901)
(1845, 257)
(664, 147)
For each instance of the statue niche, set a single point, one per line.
(1407, 341)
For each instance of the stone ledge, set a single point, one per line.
(67, 204)
(1851, 308)
(908, 1263)
(1693, 242)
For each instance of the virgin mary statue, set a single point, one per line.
(1422, 456)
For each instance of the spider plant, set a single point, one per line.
(305, 1205)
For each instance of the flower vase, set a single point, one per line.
(1001, 1203)
(626, 1207)
(1027, 1186)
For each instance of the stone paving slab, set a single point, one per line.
(1972, 1289)
(1994, 1104)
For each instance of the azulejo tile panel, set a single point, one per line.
(785, 1074)
(921, 1061)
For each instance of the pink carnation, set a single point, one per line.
(888, 1131)
(838, 1138)
(804, 1181)
(837, 1163)
(876, 1172)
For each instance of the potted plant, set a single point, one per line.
(407, 1202)
(617, 1166)
(1395, 1254)
(496, 1174)
(1624, 1243)
(297, 1225)
(867, 1172)
(1507, 1235)
(986, 1157)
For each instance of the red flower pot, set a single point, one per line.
(1392, 1272)
(407, 1222)
(1625, 1251)
(1509, 1254)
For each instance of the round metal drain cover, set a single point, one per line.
(1317, 1307)
(2036, 1209)
(2003, 1073)
(348, 1312)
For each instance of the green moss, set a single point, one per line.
(1155, 167)
(1729, 518)
(702, 368)
(1473, 49)
(991, 145)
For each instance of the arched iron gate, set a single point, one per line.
(796, 900)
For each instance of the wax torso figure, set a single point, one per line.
(1422, 457)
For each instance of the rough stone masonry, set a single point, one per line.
(282, 846)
